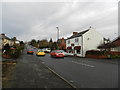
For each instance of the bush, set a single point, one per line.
(114, 56)
(13, 53)
(93, 52)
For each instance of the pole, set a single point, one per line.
(57, 36)
(57, 33)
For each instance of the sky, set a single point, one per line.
(38, 20)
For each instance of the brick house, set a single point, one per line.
(113, 47)
(62, 44)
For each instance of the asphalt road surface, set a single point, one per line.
(30, 72)
(84, 72)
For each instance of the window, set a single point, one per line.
(78, 51)
(70, 51)
(72, 44)
(77, 48)
(68, 41)
(76, 40)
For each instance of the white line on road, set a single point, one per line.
(83, 64)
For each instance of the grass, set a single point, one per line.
(7, 70)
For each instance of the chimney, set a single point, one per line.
(62, 38)
(74, 33)
(3, 34)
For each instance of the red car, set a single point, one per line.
(57, 53)
(29, 51)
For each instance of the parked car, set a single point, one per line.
(40, 53)
(57, 53)
(47, 50)
(12, 48)
(29, 51)
(65, 53)
(34, 47)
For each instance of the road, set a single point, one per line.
(84, 72)
(81, 72)
(30, 72)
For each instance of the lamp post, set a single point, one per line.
(57, 36)
(57, 33)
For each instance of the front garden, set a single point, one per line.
(10, 57)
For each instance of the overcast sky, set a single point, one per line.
(38, 20)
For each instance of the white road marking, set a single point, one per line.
(83, 64)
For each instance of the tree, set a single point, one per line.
(51, 40)
(14, 39)
(50, 43)
(21, 43)
(44, 43)
(6, 48)
(33, 42)
(54, 46)
(38, 41)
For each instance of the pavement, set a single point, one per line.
(30, 72)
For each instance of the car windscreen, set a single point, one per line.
(30, 50)
(62, 51)
(57, 51)
(40, 51)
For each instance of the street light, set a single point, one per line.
(57, 33)
(57, 37)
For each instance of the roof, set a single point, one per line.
(5, 37)
(117, 38)
(114, 43)
(60, 40)
(78, 34)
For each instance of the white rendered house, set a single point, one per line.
(80, 42)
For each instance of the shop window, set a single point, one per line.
(70, 51)
(78, 51)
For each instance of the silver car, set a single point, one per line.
(65, 53)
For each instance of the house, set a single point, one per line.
(17, 42)
(80, 42)
(116, 44)
(62, 44)
(113, 46)
(6, 40)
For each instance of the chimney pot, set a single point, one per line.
(3, 34)
(75, 33)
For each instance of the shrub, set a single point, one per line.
(93, 52)
(14, 53)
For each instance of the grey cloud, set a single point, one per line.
(39, 20)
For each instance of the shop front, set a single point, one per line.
(77, 50)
